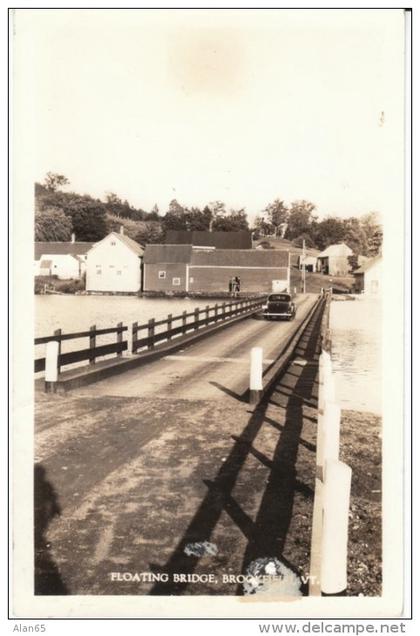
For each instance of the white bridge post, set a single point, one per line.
(331, 432)
(255, 375)
(336, 495)
(129, 352)
(51, 366)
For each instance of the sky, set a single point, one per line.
(238, 106)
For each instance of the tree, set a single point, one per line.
(217, 211)
(150, 232)
(262, 228)
(197, 219)
(300, 220)
(123, 209)
(276, 214)
(175, 218)
(52, 225)
(329, 232)
(355, 236)
(53, 181)
(375, 243)
(88, 218)
(309, 242)
(154, 213)
(234, 221)
(372, 226)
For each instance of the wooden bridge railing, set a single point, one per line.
(90, 353)
(155, 332)
(325, 324)
(188, 322)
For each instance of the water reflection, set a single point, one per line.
(356, 353)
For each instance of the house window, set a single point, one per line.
(176, 281)
(111, 265)
(119, 272)
(191, 279)
(98, 271)
(162, 274)
(113, 243)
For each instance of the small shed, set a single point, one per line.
(334, 260)
(368, 278)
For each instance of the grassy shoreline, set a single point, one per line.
(361, 449)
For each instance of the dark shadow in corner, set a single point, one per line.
(48, 580)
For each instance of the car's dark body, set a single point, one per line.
(279, 306)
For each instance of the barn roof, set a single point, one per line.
(61, 247)
(167, 253)
(340, 249)
(240, 258)
(213, 257)
(220, 240)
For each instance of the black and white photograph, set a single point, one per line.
(209, 214)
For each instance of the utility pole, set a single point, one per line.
(303, 267)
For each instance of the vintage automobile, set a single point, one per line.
(279, 306)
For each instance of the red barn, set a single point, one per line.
(185, 268)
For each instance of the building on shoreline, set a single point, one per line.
(334, 260)
(114, 265)
(64, 259)
(368, 278)
(187, 268)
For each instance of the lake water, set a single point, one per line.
(356, 353)
(72, 314)
(78, 313)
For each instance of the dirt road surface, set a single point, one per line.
(132, 470)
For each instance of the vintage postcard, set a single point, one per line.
(209, 224)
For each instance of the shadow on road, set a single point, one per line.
(48, 580)
(230, 393)
(266, 534)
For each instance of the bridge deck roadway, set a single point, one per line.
(215, 368)
(132, 469)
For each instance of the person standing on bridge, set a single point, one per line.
(231, 286)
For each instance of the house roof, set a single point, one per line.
(241, 258)
(61, 247)
(129, 242)
(340, 249)
(220, 240)
(167, 253)
(367, 265)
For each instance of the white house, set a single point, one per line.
(334, 260)
(64, 259)
(369, 277)
(114, 265)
